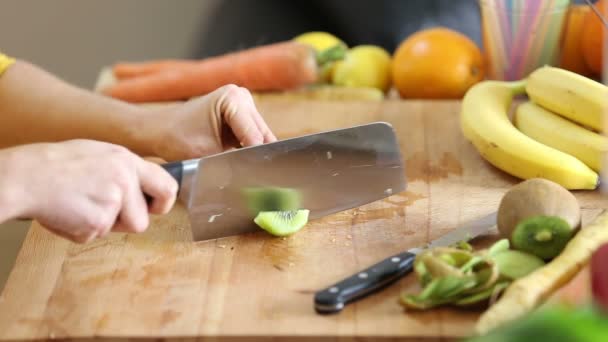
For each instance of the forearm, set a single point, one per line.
(36, 106)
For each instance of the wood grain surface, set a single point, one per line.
(160, 284)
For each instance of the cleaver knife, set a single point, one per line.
(330, 171)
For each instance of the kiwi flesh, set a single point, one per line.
(272, 199)
(282, 223)
(514, 264)
(543, 236)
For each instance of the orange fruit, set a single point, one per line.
(571, 54)
(592, 37)
(436, 63)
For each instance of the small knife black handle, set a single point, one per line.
(335, 297)
(176, 170)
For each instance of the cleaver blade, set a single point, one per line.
(331, 171)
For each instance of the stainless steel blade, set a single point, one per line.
(465, 232)
(332, 171)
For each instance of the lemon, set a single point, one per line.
(322, 42)
(364, 66)
(319, 40)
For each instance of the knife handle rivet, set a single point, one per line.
(334, 290)
(362, 275)
(395, 259)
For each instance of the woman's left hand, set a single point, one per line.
(224, 119)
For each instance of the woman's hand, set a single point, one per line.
(82, 189)
(38, 107)
(224, 119)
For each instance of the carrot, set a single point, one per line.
(126, 70)
(279, 66)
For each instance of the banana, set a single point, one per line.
(485, 122)
(553, 130)
(569, 94)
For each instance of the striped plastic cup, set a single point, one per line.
(521, 35)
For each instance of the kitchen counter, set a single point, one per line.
(160, 284)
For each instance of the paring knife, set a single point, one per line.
(333, 298)
(331, 171)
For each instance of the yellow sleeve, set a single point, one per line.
(5, 62)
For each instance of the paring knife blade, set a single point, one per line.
(333, 298)
(331, 171)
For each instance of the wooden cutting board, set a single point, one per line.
(161, 284)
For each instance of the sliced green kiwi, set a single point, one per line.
(499, 247)
(282, 223)
(516, 264)
(272, 199)
(543, 236)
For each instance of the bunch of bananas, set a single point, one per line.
(555, 134)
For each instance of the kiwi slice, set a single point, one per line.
(271, 199)
(282, 223)
(543, 236)
(516, 264)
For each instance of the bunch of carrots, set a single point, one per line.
(274, 67)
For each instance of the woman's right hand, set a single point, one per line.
(82, 189)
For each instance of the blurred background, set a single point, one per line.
(75, 39)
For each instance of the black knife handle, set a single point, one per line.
(176, 170)
(335, 297)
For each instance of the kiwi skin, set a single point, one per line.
(537, 197)
(543, 236)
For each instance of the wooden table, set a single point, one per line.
(161, 284)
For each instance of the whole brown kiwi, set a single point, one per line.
(537, 197)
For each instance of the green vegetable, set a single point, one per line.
(516, 264)
(282, 223)
(543, 236)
